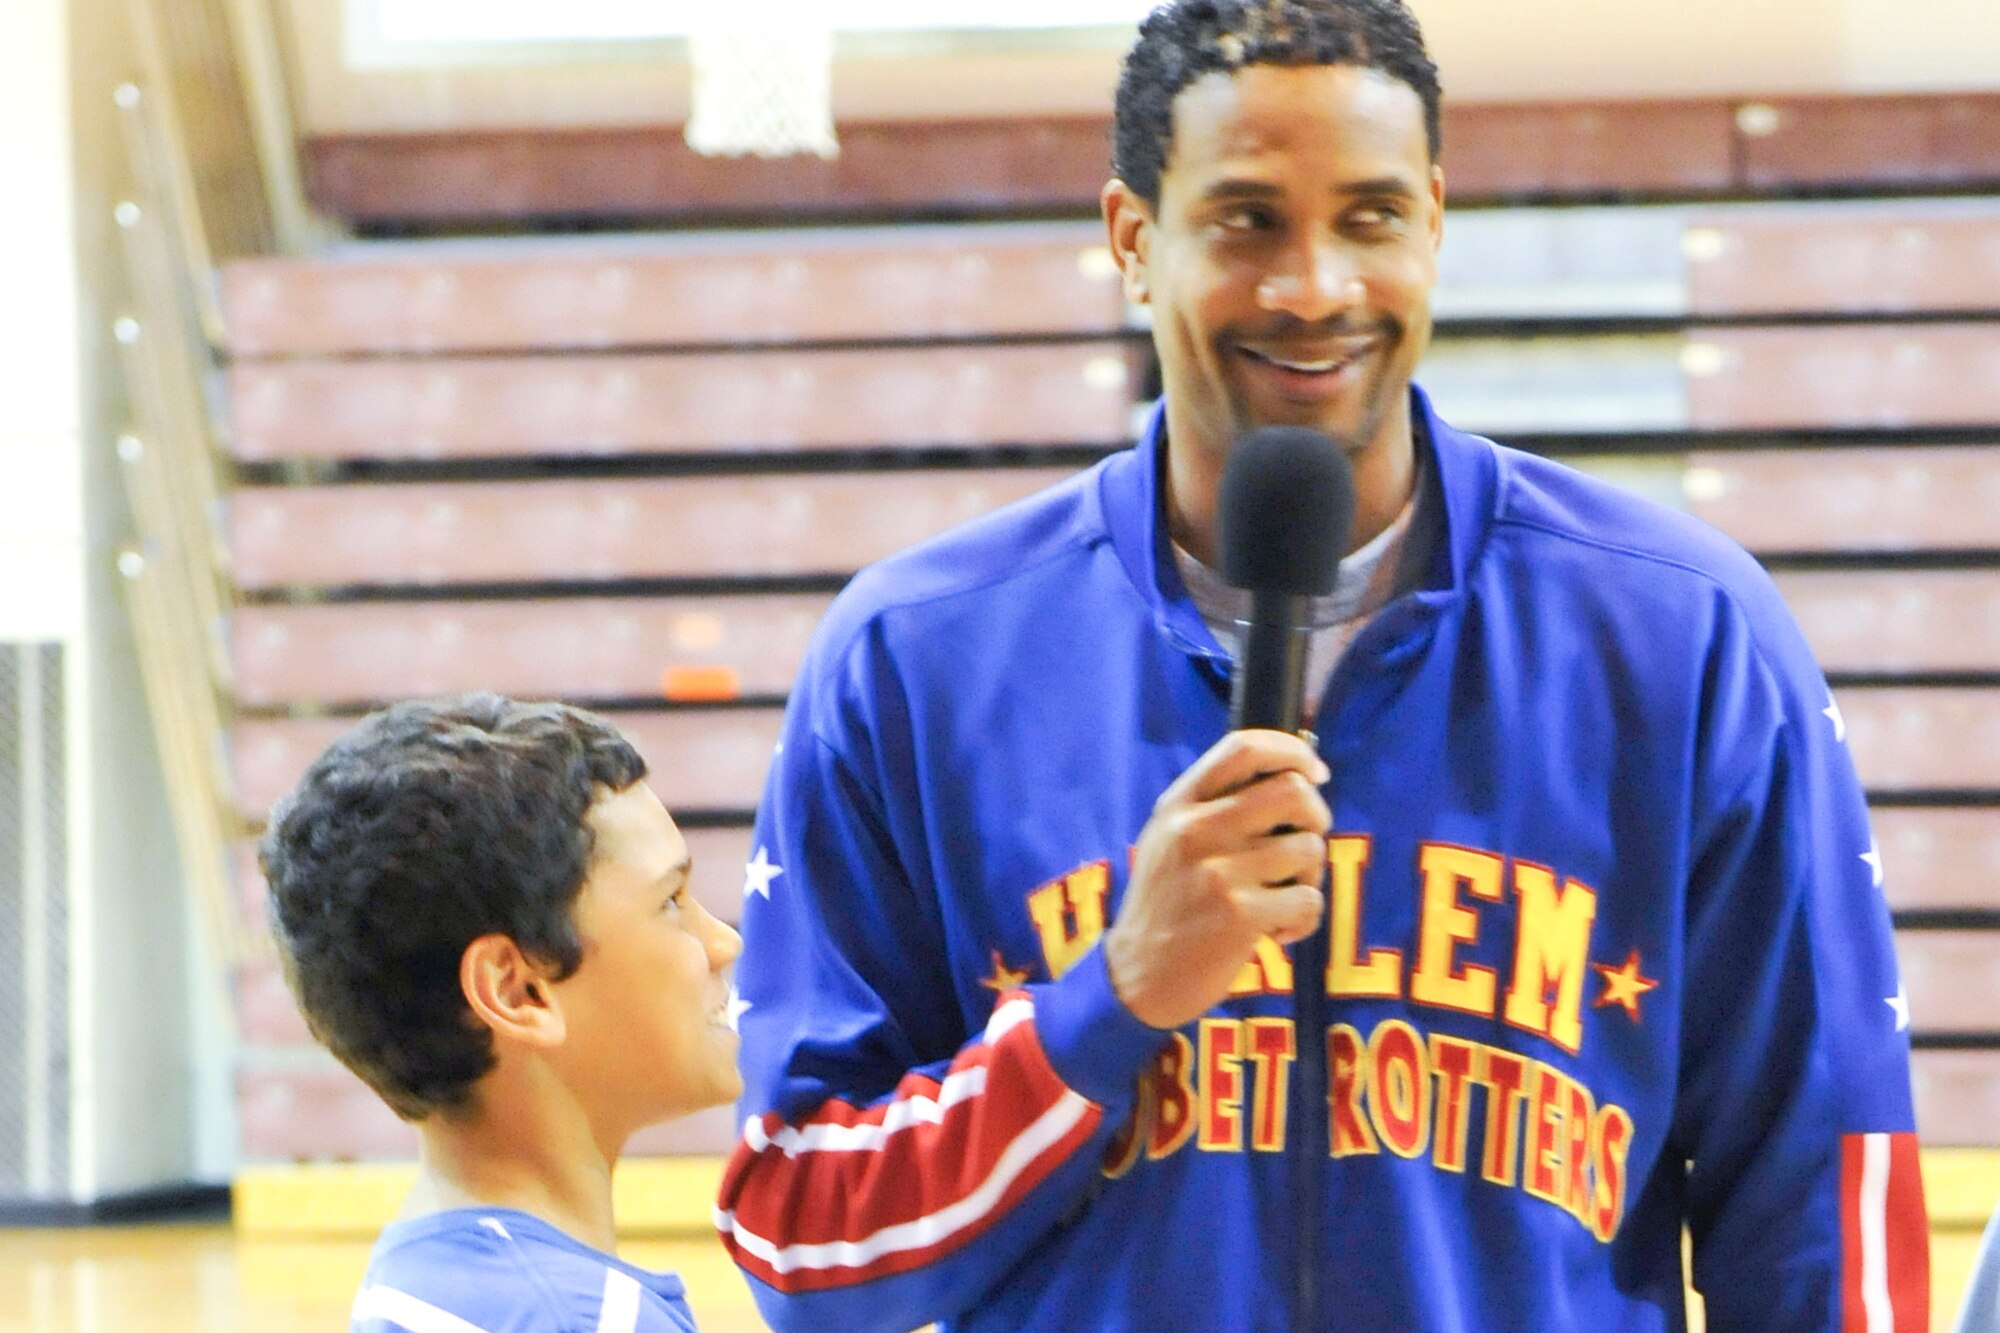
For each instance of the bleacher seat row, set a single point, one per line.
(631, 470)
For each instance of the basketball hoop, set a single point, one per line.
(763, 83)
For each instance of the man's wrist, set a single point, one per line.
(1093, 1040)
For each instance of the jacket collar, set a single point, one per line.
(1451, 523)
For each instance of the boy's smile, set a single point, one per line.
(649, 1026)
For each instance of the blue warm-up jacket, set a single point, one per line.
(1608, 949)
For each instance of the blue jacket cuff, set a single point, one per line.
(1095, 1043)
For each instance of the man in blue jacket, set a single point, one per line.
(1604, 952)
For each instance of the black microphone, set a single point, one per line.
(1286, 506)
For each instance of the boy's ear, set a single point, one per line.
(510, 992)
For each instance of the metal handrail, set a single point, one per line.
(187, 723)
(188, 56)
(173, 599)
(264, 44)
(225, 161)
(166, 386)
(161, 168)
(200, 183)
(167, 364)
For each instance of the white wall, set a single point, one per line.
(1529, 50)
(41, 505)
(1948, 44)
(138, 1057)
(154, 1038)
(1488, 50)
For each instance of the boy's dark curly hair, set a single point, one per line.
(1183, 40)
(427, 826)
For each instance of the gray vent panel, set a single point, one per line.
(34, 1017)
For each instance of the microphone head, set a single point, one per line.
(1286, 507)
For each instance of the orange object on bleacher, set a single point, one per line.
(700, 684)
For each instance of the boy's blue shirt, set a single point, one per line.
(500, 1270)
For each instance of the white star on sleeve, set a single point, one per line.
(1832, 714)
(1873, 856)
(738, 1006)
(1900, 1002)
(759, 873)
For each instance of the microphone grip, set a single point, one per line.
(1269, 687)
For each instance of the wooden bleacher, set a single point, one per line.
(585, 530)
(631, 470)
(776, 401)
(604, 649)
(628, 472)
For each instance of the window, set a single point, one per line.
(400, 31)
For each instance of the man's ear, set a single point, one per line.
(1437, 206)
(510, 992)
(1128, 222)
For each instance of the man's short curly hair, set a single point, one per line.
(427, 826)
(1185, 39)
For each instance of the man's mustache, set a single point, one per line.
(1290, 328)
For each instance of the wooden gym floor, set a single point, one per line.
(294, 1253)
(208, 1279)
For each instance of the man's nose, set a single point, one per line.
(1315, 282)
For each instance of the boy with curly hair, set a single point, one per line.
(483, 910)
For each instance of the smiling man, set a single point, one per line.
(1288, 253)
(1574, 830)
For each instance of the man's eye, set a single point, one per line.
(1249, 219)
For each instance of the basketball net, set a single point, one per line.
(763, 83)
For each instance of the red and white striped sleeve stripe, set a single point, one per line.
(851, 1193)
(1884, 1236)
